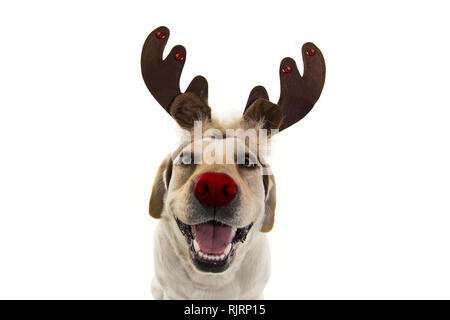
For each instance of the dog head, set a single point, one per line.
(216, 189)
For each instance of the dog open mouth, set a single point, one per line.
(212, 245)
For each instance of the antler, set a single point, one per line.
(162, 77)
(298, 93)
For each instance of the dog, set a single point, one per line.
(215, 195)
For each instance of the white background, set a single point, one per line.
(363, 181)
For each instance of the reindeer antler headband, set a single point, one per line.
(298, 93)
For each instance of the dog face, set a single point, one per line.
(216, 191)
(217, 202)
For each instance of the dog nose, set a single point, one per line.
(215, 189)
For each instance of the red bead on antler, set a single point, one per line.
(179, 56)
(310, 52)
(160, 35)
(286, 69)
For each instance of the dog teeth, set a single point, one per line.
(209, 257)
(196, 246)
(227, 249)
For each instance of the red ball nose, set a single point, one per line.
(215, 189)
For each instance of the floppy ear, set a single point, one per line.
(270, 203)
(160, 187)
(187, 108)
(264, 110)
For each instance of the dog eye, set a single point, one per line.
(186, 159)
(248, 162)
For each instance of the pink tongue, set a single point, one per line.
(213, 238)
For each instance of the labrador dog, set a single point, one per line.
(215, 195)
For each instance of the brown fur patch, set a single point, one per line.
(270, 203)
(160, 187)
